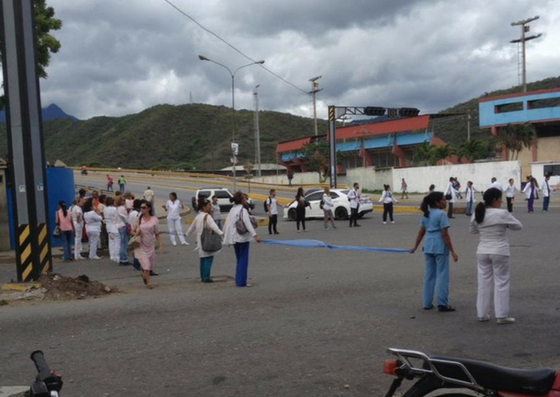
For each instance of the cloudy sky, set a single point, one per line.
(122, 56)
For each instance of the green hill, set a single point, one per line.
(165, 136)
(198, 136)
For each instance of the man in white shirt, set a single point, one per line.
(546, 192)
(354, 198)
(272, 209)
(78, 220)
(496, 184)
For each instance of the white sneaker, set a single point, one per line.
(384, 223)
(96, 257)
(392, 221)
(484, 319)
(173, 243)
(79, 257)
(505, 320)
(184, 243)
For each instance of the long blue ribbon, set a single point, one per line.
(321, 244)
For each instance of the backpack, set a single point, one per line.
(322, 204)
(266, 204)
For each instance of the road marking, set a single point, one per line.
(8, 391)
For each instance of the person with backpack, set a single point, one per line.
(271, 207)
(204, 220)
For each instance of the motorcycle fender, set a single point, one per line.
(431, 383)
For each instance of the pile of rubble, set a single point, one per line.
(54, 287)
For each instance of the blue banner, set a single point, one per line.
(321, 244)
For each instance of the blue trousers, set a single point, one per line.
(436, 278)
(545, 201)
(66, 238)
(206, 267)
(242, 255)
(123, 257)
(469, 208)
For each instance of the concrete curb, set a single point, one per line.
(20, 287)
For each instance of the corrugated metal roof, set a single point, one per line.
(385, 127)
(292, 145)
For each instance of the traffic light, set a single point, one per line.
(393, 112)
(374, 111)
(408, 112)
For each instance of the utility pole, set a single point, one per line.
(25, 139)
(469, 126)
(314, 90)
(257, 132)
(524, 29)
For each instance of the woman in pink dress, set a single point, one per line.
(147, 227)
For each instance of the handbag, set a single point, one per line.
(134, 242)
(240, 225)
(209, 239)
(448, 196)
(57, 232)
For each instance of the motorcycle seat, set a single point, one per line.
(534, 382)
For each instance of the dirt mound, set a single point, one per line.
(59, 287)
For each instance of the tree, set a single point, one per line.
(442, 152)
(316, 156)
(45, 22)
(514, 137)
(424, 154)
(472, 150)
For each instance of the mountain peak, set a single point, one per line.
(51, 112)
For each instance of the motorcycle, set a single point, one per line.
(47, 383)
(458, 377)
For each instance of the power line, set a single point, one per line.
(235, 48)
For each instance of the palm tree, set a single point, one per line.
(423, 154)
(443, 152)
(514, 137)
(472, 150)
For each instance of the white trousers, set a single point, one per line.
(93, 238)
(493, 279)
(79, 229)
(114, 246)
(175, 229)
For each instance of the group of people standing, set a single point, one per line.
(114, 219)
(531, 191)
(493, 255)
(238, 232)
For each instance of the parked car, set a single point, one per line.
(341, 205)
(225, 197)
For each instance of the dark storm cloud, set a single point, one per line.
(120, 57)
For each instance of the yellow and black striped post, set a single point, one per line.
(25, 138)
(332, 144)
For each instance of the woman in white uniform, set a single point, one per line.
(93, 228)
(113, 223)
(492, 255)
(173, 208)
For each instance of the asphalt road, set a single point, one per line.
(315, 323)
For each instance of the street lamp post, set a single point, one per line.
(257, 132)
(232, 74)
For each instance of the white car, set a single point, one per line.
(225, 198)
(341, 205)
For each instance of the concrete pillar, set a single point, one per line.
(4, 217)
